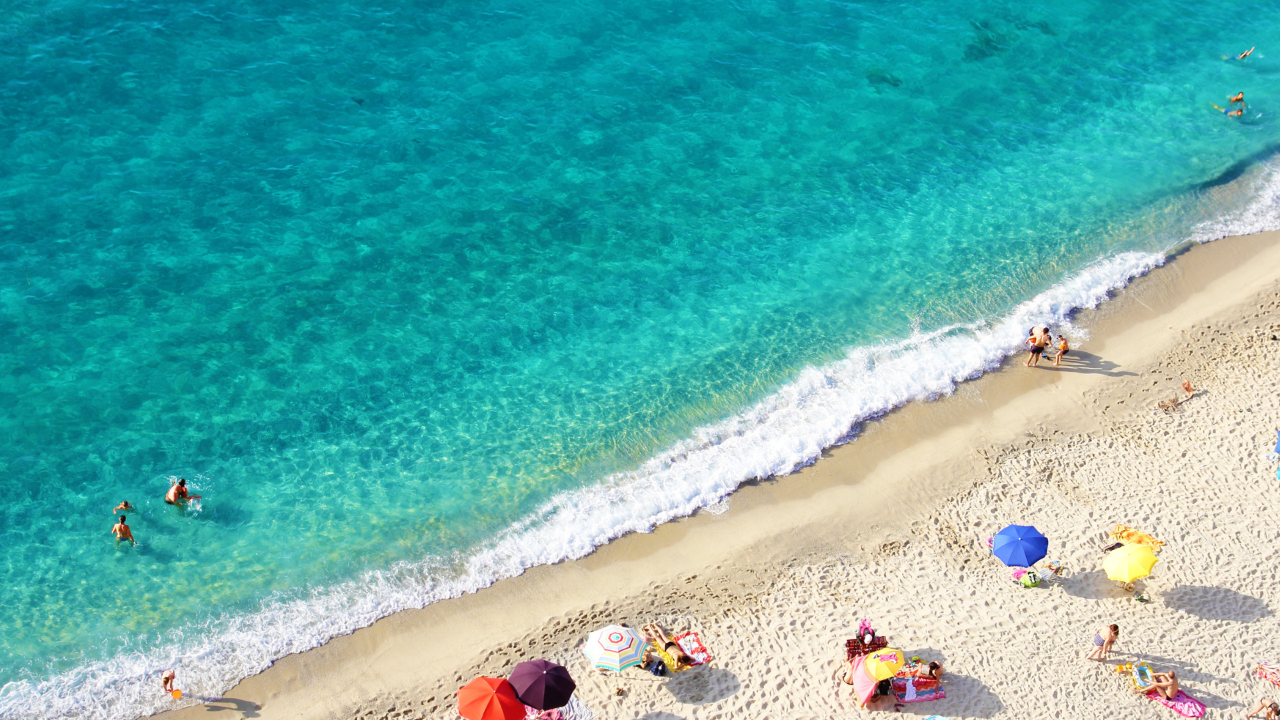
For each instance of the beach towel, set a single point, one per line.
(692, 644)
(1182, 703)
(1129, 536)
(913, 690)
(576, 710)
(1269, 672)
(667, 660)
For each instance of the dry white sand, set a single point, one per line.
(891, 529)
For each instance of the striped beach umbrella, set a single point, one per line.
(615, 648)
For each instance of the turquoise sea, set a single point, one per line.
(420, 294)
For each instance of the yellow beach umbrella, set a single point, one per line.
(1129, 563)
(883, 664)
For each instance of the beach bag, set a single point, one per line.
(1029, 579)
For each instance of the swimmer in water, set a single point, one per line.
(1237, 98)
(1230, 113)
(166, 681)
(177, 494)
(122, 506)
(122, 532)
(1246, 53)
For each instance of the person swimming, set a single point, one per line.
(1246, 53)
(178, 495)
(124, 505)
(1230, 113)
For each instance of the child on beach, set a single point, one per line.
(1063, 349)
(1269, 708)
(1102, 642)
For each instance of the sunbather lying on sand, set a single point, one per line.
(1164, 683)
(662, 640)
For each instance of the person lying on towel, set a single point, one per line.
(669, 646)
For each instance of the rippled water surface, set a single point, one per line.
(382, 280)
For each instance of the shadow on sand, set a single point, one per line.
(1211, 603)
(1078, 361)
(701, 686)
(244, 707)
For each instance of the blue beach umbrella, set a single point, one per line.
(1020, 546)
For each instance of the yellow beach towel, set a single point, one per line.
(1129, 536)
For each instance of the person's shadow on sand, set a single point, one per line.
(701, 686)
(1078, 361)
(244, 707)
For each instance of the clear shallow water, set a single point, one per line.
(420, 294)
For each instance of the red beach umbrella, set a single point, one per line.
(487, 698)
(542, 685)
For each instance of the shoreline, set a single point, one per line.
(858, 501)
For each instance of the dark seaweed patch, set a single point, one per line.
(878, 77)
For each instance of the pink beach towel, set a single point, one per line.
(692, 645)
(913, 690)
(1182, 703)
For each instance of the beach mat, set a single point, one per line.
(914, 690)
(1182, 703)
(693, 647)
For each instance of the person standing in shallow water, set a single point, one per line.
(122, 532)
(1036, 342)
(178, 495)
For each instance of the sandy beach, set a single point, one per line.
(891, 528)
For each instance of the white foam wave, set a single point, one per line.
(778, 435)
(1260, 209)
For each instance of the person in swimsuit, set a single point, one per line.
(122, 506)
(1246, 53)
(122, 532)
(1237, 98)
(660, 639)
(1102, 641)
(1036, 344)
(1063, 349)
(1164, 683)
(166, 680)
(1230, 113)
(933, 671)
(1267, 706)
(177, 494)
